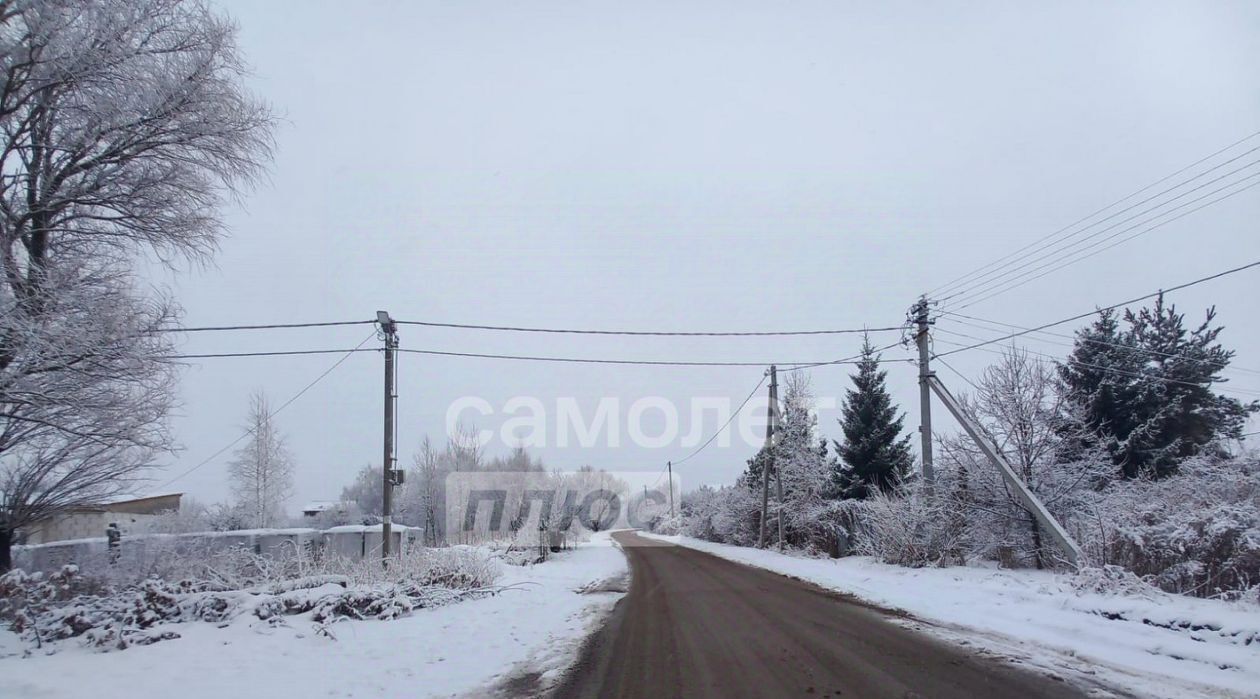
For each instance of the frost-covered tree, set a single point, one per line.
(261, 472)
(123, 124)
(425, 472)
(1019, 409)
(801, 460)
(874, 453)
(83, 393)
(367, 493)
(1145, 392)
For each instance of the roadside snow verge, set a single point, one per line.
(457, 649)
(1158, 645)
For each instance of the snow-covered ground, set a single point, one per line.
(465, 648)
(1155, 645)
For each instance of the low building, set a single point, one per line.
(316, 508)
(90, 521)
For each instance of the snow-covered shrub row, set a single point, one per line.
(1196, 532)
(909, 528)
(115, 612)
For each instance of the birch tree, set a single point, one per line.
(261, 472)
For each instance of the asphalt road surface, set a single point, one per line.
(694, 625)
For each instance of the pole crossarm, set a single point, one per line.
(1029, 500)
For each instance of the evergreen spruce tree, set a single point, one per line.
(1099, 384)
(1145, 392)
(874, 453)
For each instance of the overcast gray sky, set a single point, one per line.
(690, 166)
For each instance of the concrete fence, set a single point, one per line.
(349, 542)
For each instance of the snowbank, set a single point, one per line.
(536, 627)
(1157, 645)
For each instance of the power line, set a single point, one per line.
(851, 360)
(958, 373)
(1072, 339)
(1100, 367)
(584, 360)
(280, 353)
(970, 275)
(1179, 287)
(273, 413)
(520, 357)
(657, 333)
(720, 430)
(726, 424)
(1063, 245)
(971, 299)
(272, 326)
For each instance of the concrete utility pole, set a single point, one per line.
(778, 472)
(670, 465)
(771, 413)
(392, 477)
(920, 311)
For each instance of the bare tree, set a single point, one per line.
(261, 472)
(123, 126)
(427, 471)
(82, 399)
(1016, 404)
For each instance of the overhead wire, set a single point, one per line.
(278, 353)
(1071, 340)
(980, 295)
(1063, 245)
(270, 326)
(970, 276)
(272, 414)
(735, 413)
(628, 362)
(850, 360)
(655, 333)
(1100, 367)
(1113, 306)
(726, 424)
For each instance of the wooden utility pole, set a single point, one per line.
(921, 338)
(391, 476)
(771, 414)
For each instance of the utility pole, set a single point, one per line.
(778, 472)
(920, 311)
(670, 465)
(769, 464)
(392, 477)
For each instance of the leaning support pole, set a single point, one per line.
(1030, 501)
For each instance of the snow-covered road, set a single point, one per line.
(459, 649)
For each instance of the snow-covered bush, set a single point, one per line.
(726, 515)
(1112, 580)
(910, 528)
(1196, 532)
(115, 611)
(668, 524)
